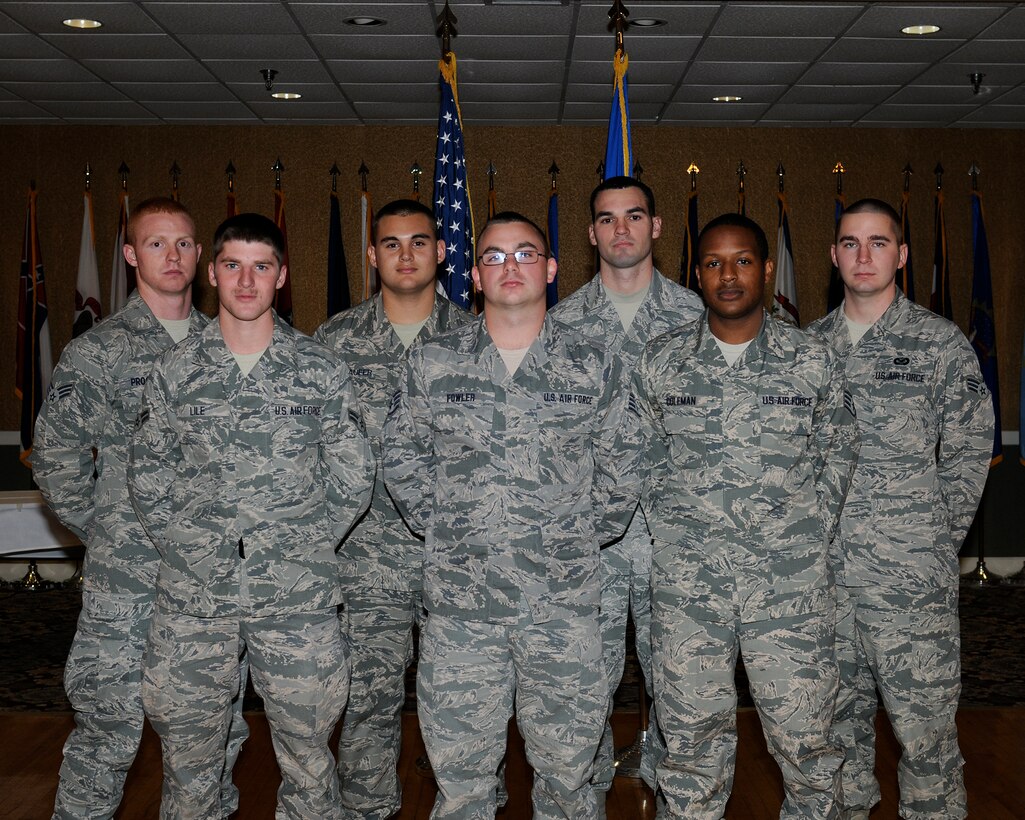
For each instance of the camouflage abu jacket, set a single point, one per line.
(746, 468)
(380, 552)
(247, 483)
(926, 421)
(94, 397)
(514, 480)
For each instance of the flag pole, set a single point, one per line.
(741, 193)
(414, 171)
(981, 576)
(175, 173)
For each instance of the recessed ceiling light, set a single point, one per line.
(921, 29)
(647, 22)
(727, 98)
(364, 21)
(79, 22)
(286, 95)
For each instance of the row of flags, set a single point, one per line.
(454, 217)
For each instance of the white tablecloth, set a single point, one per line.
(29, 530)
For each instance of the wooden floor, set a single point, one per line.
(992, 740)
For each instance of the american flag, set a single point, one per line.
(451, 192)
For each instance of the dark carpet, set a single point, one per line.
(36, 629)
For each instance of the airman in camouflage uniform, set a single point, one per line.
(623, 228)
(246, 480)
(381, 559)
(510, 447)
(926, 421)
(750, 447)
(95, 396)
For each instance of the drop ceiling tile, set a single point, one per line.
(862, 73)
(750, 93)
(837, 113)
(725, 112)
(176, 92)
(703, 73)
(270, 48)
(646, 73)
(386, 112)
(97, 110)
(117, 18)
(785, 20)
(504, 92)
(278, 109)
(992, 51)
(66, 91)
(936, 95)
(214, 18)
(871, 50)
(149, 71)
(682, 18)
(763, 49)
(501, 47)
(923, 115)
(602, 92)
(649, 49)
(510, 71)
(1008, 26)
(887, 20)
(192, 110)
(955, 73)
(387, 71)
(996, 116)
(27, 46)
(397, 92)
(22, 110)
(372, 47)
(401, 18)
(494, 20)
(478, 112)
(311, 92)
(119, 46)
(53, 71)
(834, 94)
(289, 71)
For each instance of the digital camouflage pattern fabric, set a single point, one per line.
(626, 564)
(926, 421)
(745, 474)
(381, 570)
(247, 483)
(514, 480)
(94, 397)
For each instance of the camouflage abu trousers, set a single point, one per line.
(299, 668)
(103, 680)
(909, 645)
(470, 677)
(378, 626)
(792, 672)
(626, 590)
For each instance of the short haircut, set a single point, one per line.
(405, 207)
(250, 228)
(155, 205)
(734, 220)
(872, 206)
(619, 184)
(512, 218)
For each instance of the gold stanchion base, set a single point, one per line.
(628, 758)
(75, 581)
(32, 580)
(981, 577)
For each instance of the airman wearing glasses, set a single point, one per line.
(511, 447)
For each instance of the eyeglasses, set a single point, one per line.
(524, 257)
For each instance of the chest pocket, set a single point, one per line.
(687, 434)
(201, 436)
(785, 440)
(565, 427)
(462, 424)
(899, 407)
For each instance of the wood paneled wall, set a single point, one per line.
(55, 157)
